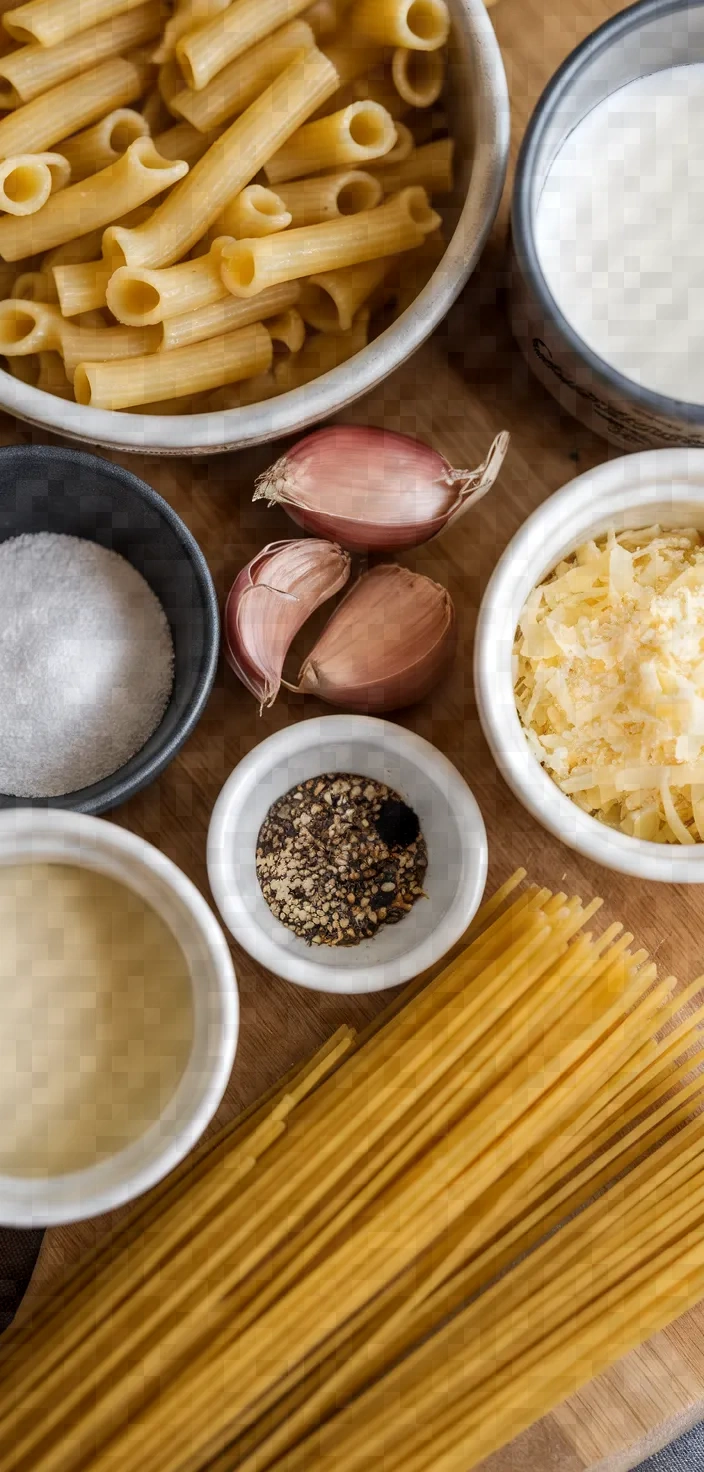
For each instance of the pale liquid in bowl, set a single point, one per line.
(96, 1018)
(620, 231)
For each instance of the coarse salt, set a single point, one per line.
(86, 664)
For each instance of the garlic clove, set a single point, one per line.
(395, 492)
(474, 484)
(268, 603)
(386, 644)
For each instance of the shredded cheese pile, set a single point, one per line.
(609, 681)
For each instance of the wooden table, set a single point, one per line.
(469, 382)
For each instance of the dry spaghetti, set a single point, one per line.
(327, 1286)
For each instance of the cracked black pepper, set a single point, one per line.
(340, 856)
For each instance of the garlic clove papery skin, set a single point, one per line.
(373, 490)
(386, 644)
(270, 600)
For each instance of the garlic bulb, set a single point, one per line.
(385, 645)
(373, 490)
(270, 601)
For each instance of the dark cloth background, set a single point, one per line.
(685, 1455)
(19, 1251)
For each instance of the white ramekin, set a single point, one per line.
(72, 838)
(450, 820)
(665, 486)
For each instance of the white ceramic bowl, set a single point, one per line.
(72, 838)
(450, 820)
(479, 114)
(664, 486)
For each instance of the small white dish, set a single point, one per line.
(450, 821)
(41, 836)
(665, 486)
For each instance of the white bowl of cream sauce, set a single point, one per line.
(607, 295)
(118, 1016)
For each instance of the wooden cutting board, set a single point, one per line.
(457, 392)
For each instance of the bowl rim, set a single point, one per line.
(301, 408)
(88, 799)
(622, 485)
(259, 943)
(75, 838)
(604, 38)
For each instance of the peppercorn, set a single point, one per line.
(339, 856)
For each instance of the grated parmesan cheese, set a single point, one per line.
(609, 681)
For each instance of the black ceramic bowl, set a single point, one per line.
(43, 489)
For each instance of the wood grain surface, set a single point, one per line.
(466, 384)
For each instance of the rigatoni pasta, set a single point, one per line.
(26, 369)
(52, 377)
(415, 270)
(6, 5)
(34, 286)
(169, 81)
(230, 164)
(52, 21)
(288, 330)
(103, 144)
(398, 225)
(104, 344)
(33, 327)
(354, 135)
(44, 371)
(87, 247)
(136, 177)
(352, 56)
(205, 51)
(8, 276)
(324, 16)
(192, 369)
(239, 395)
(429, 166)
(331, 300)
(418, 76)
(184, 142)
(7, 42)
(140, 297)
(37, 125)
(325, 196)
(321, 353)
(420, 25)
(31, 70)
(27, 180)
(201, 266)
(227, 314)
(404, 145)
(155, 114)
(237, 85)
(187, 16)
(82, 286)
(382, 90)
(254, 211)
